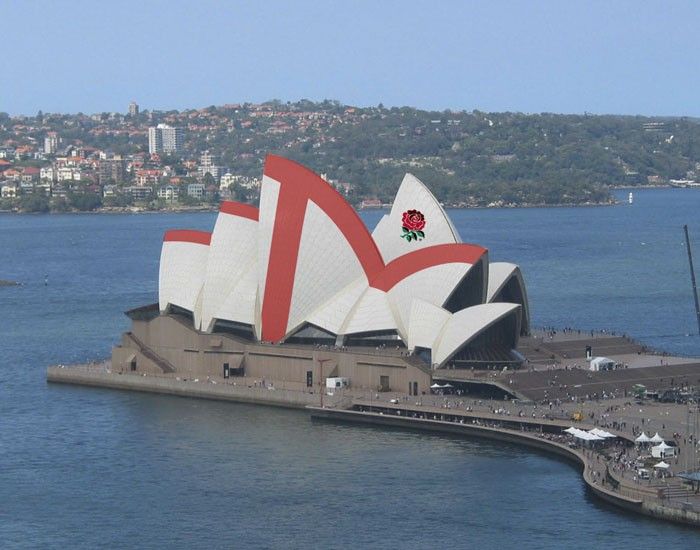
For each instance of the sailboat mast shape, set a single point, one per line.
(692, 276)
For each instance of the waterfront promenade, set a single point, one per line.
(609, 471)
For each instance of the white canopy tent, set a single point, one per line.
(643, 438)
(601, 433)
(662, 451)
(601, 363)
(662, 465)
(584, 435)
(657, 438)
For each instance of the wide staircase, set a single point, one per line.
(483, 358)
(535, 352)
(147, 352)
(675, 489)
(576, 349)
(562, 383)
(417, 362)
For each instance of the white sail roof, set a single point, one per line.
(183, 261)
(499, 274)
(465, 325)
(426, 323)
(269, 195)
(332, 314)
(306, 257)
(413, 195)
(240, 302)
(325, 263)
(233, 253)
(433, 285)
(371, 313)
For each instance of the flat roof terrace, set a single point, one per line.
(556, 368)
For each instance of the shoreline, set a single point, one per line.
(342, 408)
(214, 209)
(114, 210)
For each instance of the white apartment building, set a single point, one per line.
(47, 173)
(207, 165)
(195, 190)
(66, 173)
(165, 139)
(169, 193)
(51, 143)
(9, 190)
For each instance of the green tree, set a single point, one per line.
(34, 202)
(208, 180)
(85, 202)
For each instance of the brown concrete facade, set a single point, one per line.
(168, 344)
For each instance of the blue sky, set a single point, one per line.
(541, 56)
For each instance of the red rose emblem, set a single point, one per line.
(412, 223)
(413, 220)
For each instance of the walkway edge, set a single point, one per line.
(170, 386)
(301, 400)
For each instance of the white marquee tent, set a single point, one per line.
(662, 451)
(601, 363)
(584, 435)
(601, 433)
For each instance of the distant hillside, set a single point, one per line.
(466, 158)
(479, 158)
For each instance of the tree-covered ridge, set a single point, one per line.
(477, 158)
(466, 158)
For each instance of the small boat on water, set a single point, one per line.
(630, 198)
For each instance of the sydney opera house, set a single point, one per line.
(298, 290)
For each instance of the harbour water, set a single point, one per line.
(83, 467)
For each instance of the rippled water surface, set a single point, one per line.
(81, 467)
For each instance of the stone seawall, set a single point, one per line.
(184, 388)
(339, 411)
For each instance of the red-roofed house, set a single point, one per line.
(147, 177)
(13, 174)
(30, 173)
